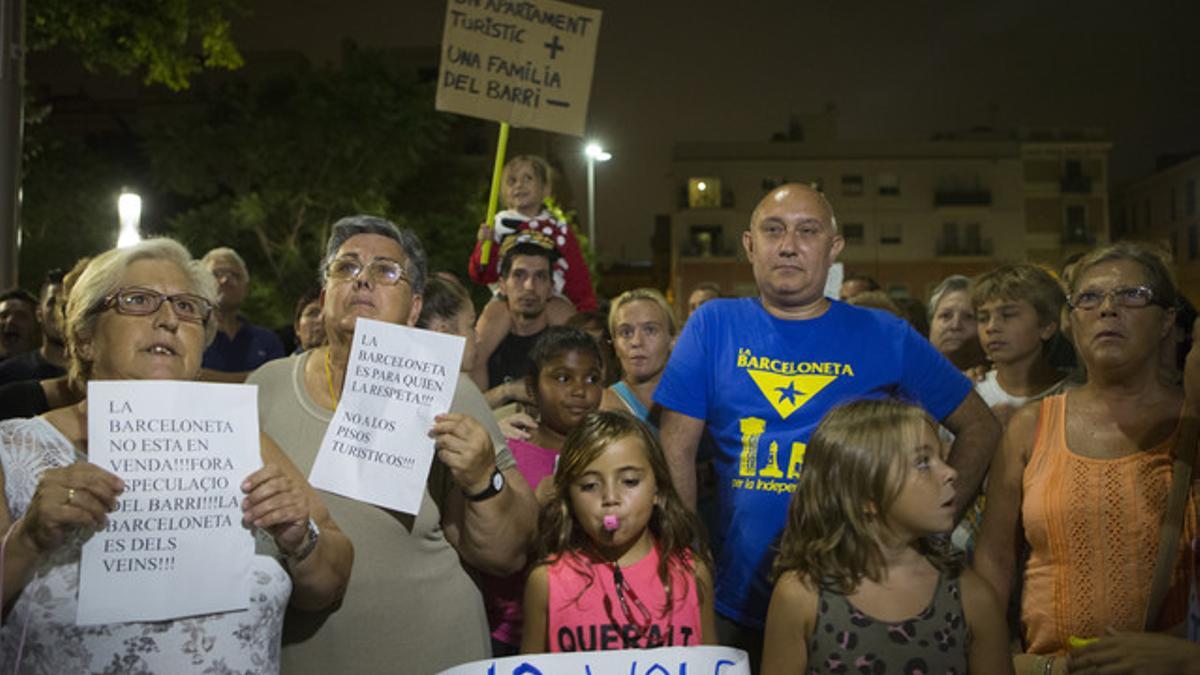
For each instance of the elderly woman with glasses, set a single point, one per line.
(1082, 478)
(413, 604)
(142, 313)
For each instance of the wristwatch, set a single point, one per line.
(310, 543)
(495, 485)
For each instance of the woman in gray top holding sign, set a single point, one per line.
(413, 604)
(143, 313)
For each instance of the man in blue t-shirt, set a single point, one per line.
(760, 373)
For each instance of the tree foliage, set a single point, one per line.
(69, 207)
(170, 41)
(266, 166)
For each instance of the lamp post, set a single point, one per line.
(129, 211)
(594, 154)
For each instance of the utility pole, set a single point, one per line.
(12, 122)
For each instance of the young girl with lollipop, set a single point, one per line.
(867, 581)
(620, 566)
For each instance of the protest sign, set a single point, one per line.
(377, 448)
(176, 545)
(662, 661)
(526, 63)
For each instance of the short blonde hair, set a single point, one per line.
(1158, 274)
(649, 294)
(875, 300)
(103, 276)
(1022, 281)
(226, 252)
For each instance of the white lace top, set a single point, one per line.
(227, 643)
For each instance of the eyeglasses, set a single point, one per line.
(383, 271)
(143, 301)
(1131, 296)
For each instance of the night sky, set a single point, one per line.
(669, 71)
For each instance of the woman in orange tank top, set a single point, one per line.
(1082, 478)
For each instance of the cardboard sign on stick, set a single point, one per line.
(377, 448)
(526, 63)
(176, 545)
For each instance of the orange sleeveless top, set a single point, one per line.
(1092, 526)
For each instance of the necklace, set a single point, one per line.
(622, 588)
(329, 379)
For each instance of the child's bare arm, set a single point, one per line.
(989, 648)
(708, 616)
(1001, 533)
(558, 310)
(790, 619)
(490, 330)
(536, 608)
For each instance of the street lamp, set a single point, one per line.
(594, 153)
(129, 211)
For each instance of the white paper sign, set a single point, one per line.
(176, 545)
(833, 282)
(377, 448)
(662, 661)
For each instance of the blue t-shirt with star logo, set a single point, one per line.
(762, 384)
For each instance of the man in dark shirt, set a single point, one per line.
(240, 346)
(18, 322)
(50, 359)
(526, 281)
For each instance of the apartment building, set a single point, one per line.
(1161, 208)
(912, 212)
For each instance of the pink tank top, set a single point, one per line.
(587, 614)
(503, 595)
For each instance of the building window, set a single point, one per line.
(950, 238)
(853, 233)
(889, 184)
(704, 193)
(1077, 227)
(1190, 196)
(705, 241)
(852, 186)
(1121, 226)
(973, 239)
(891, 234)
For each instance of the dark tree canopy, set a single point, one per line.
(168, 41)
(267, 165)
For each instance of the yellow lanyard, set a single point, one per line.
(329, 379)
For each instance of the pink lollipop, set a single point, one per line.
(611, 522)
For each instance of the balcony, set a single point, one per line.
(960, 197)
(1075, 184)
(952, 247)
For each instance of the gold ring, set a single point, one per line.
(70, 495)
